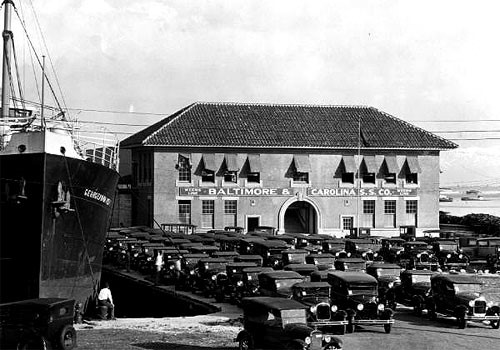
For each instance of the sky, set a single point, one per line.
(433, 63)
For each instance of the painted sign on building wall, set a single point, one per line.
(276, 192)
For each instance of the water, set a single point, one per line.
(490, 204)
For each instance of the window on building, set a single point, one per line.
(230, 212)
(184, 212)
(390, 213)
(207, 214)
(208, 176)
(391, 169)
(369, 178)
(412, 178)
(348, 178)
(369, 168)
(231, 176)
(347, 223)
(411, 207)
(253, 177)
(184, 168)
(413, 169)
(390, 178)
(209, 168)
(302, 167)
(369, 207)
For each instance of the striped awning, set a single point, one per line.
(349, 164)
(231, 162)
(413, 165)
(254, 163)
(209, 162)
(392, 164)
(302, 164)
(370, 164)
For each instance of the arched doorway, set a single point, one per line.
(300, 216)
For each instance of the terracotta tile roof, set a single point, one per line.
(236, 125)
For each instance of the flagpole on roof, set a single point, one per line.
(358, 183)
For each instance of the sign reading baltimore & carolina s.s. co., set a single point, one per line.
(276, 192)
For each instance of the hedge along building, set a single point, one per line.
(299, 168)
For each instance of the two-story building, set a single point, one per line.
(299, 168)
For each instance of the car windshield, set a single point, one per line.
(355, 266)
(366, 245)
(325, 260)
(467, 288)
(296, 257)
(418, 247)
(362, 289)
(285, 284)
(336, 245)
(322, 292)
(388, 272)
(448, 246)
(420, 278)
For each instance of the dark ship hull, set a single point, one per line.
(54, 217)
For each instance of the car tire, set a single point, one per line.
(495, 324)
(388, 328)
(245, 343)
(462, 322)
(67, 338)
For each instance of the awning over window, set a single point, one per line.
(209, 161)
(301, 162)
(392, 164)
(413, 165)
(231, 162)
(254, 163)
(370, 164)
(349, 164)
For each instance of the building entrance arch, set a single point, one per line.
(299, 216)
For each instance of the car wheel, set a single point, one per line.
(67, 338)
(245, 343)
(495, 324)
(462, 322)
(387, 328)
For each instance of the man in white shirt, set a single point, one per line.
(106, 299)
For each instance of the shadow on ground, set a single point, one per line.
(174, 346)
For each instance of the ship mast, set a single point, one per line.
(7, 50)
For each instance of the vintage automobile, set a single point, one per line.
(324, 261)
(414, 289)
(459, 296)
(211, 273)
(250, 282)
(489, 249)
(315, 242)
(322, 313)
(228, 255)
(271, 252)
(449, 256)
(229, 244)
(334, 246)
(304, 270)
(189, 268)
(246, 244)
(320, 276)
(417, 255)
(38, 324)
(357, 294)
(277, 323)
(267, 229)
(388, 278)
(290, 240)
(364, 248)
(350, 264)
(293, 256)
(257, 259)
(278, 283)
(391, 248)
(227, 289)
(171, 272)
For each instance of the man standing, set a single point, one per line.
(159, 266)
(106, 299)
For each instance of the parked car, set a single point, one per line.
(350, 264)
(293, 256)
(449, 256)
(459, 296)
(334, 246)
(414, 289)
(417, 255)
(250, 282)
(324, 261)
(365, 248)
(304, 270)
(271, 252)
(278, 283)
(391, 248)
(227, 289)
(189, 271)
(388, 278)
(277, 323)
(38, 324)
(254, 258)
(211, 273)
(322, 313)
(489, 249)
(357, 294)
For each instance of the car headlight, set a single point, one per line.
(360, 307)
(419, 255)
(348, 254)
(363, 255)
(375, 254)
(191, 272)
(334, 308)
(390, 285)
(380, 307)
(239, 283)
(136, 255)
(214, 277)
(249, 278)
(398, 252)
(307, 340)
(327, 338)
(448, 256)
(313, 309)
(489, 304)
(278, 285)
(471, 303)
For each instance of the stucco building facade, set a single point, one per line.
(299, 168)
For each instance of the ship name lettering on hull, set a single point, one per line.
(97, 196)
